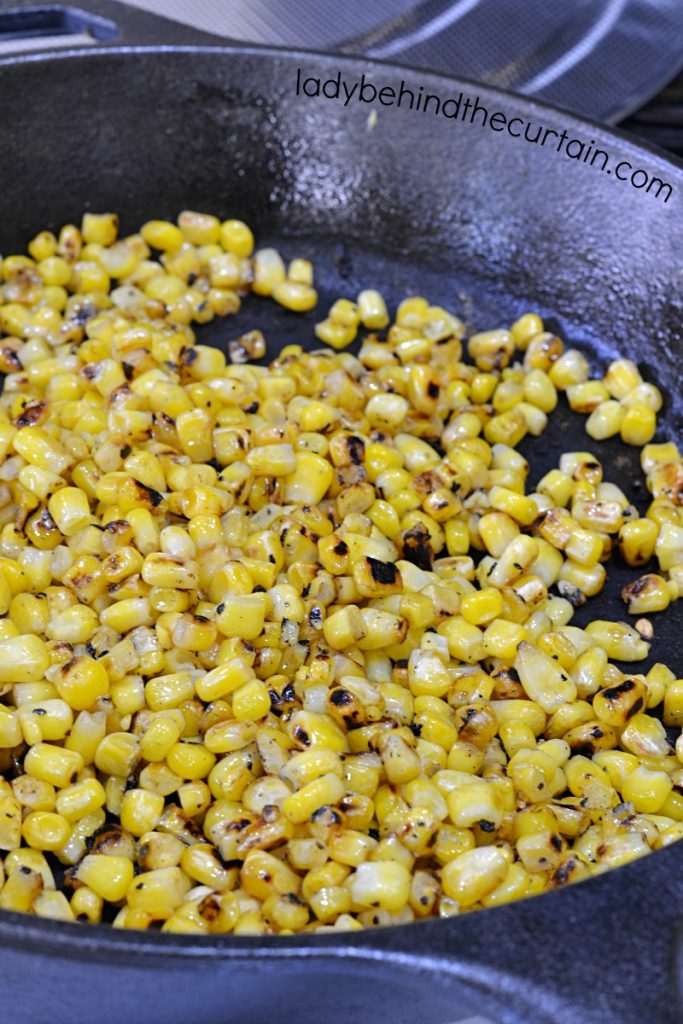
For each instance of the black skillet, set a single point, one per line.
(484, 224)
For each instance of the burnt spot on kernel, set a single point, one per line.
(31, 415)
(154, 498)
(301, 735)
(356, 449)
(383, 572)
(417, 548)
(340, 698)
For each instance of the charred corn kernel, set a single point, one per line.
(81, 681)
(618, 640)
(309, 482)
(262, 874)
(491, 350)
(649, 593)
(637, 540)
(201, 864)
(22, 888)
(299, 807)
(158, 892)
(477, 803)
(10, 821)
(169, 571)
(615, 705)
(195, 798)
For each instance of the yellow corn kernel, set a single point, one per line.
(502, 639)
(384, 884)
(251, 701)
(262, 874)
(649, 593)
(373, 310)
(81, 799)
(241, 615)
(618, 640)
(472, 875)
(638, 425)
(108, 876)
(605, 420)
(482, 607)
(23, 659)
(81, 681)
(295, 295)
(542, 678)
(55, 765)
(236, 237)
(621, 377)
(118, 754)
(637, 539)
(141, 811)
(45, 830)
(299, 807)
(269, 271)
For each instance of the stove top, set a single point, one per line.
(610, 61)
(661, 120)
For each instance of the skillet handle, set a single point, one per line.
(26, 26)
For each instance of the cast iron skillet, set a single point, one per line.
(484, 224)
